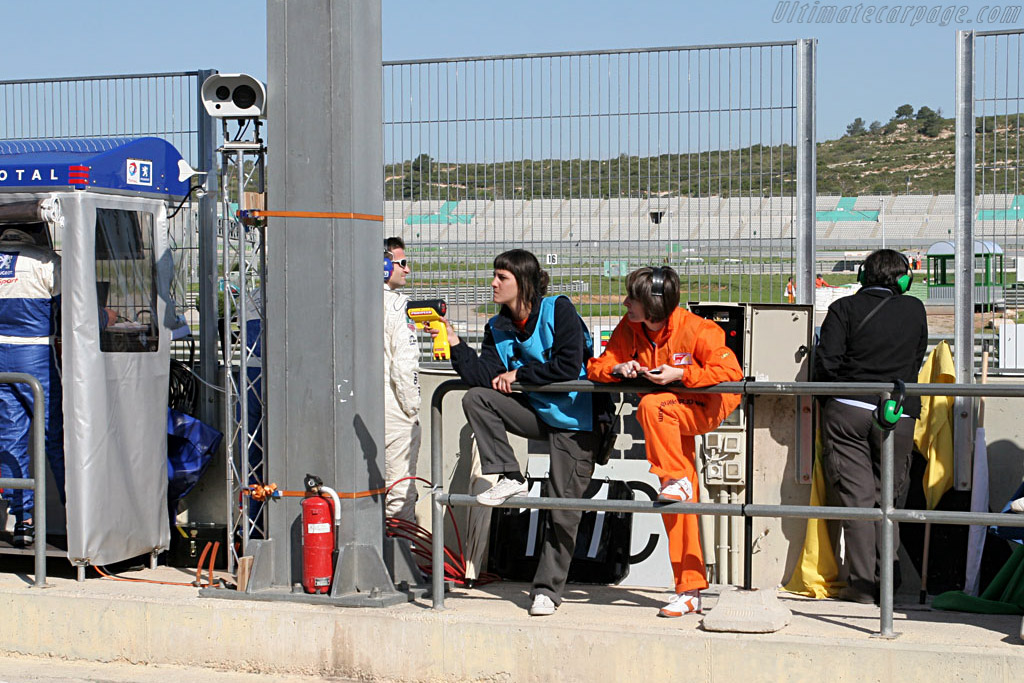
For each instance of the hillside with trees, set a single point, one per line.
(911, 152)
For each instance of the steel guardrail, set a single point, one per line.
(749, 389)
(37, 440)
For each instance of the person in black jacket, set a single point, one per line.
(532, 340)
(876, 335)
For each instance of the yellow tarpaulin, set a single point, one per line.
(817, 571)
(933, 434)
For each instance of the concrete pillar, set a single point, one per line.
(324, 288)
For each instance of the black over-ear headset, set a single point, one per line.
(903, 281)
(888, 413)
(658, 281)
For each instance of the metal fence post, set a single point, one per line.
(37, 482)
(206, 161)
(436, 491)
(748, 495)
(806, 169)
(38, 447)
(963, 247)
(885, 598)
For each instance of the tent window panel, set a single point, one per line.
(126, 281)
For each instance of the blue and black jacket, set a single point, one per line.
(553, 347)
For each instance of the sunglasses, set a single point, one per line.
(404, 263)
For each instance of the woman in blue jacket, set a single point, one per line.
(532, 340)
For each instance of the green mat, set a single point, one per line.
(1005, 595)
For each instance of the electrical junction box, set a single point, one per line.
(732, 318)
(772, 343)
(778, 342)
(724, 453)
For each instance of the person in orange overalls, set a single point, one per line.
(672, 347)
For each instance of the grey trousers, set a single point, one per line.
(852, 466)
(493, 416)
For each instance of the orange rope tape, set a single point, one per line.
(302, 494)
(262, 213)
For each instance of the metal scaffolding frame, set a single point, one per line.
(243, 338)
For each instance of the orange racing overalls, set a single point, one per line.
(670, 419)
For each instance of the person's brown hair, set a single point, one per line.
(531, 279)
(657, 308)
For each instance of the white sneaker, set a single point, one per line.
(502, 491)
(1017, 505)
(676, 491)
(682, 603)
(542, 606)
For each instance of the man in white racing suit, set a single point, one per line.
(401, 389)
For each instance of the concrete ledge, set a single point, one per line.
(598, 634)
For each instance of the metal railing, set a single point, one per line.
(37, 439)
(887, 513)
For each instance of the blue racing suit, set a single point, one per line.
(29, 302)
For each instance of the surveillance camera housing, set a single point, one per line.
(234, 96)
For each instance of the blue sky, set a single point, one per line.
(865, 69)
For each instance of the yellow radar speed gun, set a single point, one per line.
(428, 313)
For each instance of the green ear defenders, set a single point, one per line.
(888, 413)
(658, 281)
(903, 281)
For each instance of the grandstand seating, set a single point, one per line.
(854, 230)
(723, 228)
(765, 227)
(911, 219)
(581, 218)
(937, 227)
(993, 202)
(825, 203)
(943, 204)
(779, 206)
(902, 227)
(872, 203)
(736, 207)
(908, 205)
(702, 207)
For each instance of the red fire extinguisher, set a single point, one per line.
(318, 531)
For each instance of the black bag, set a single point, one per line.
(517, 535)
(606, 419)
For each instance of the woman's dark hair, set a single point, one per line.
(531, 279)
(656, 308)
(883, 268)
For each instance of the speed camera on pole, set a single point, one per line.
(234, 96)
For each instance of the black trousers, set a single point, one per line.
(852, 465)
(493, 416)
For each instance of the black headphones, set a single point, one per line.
(888, 413)
(658, 281)
(903, 281)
